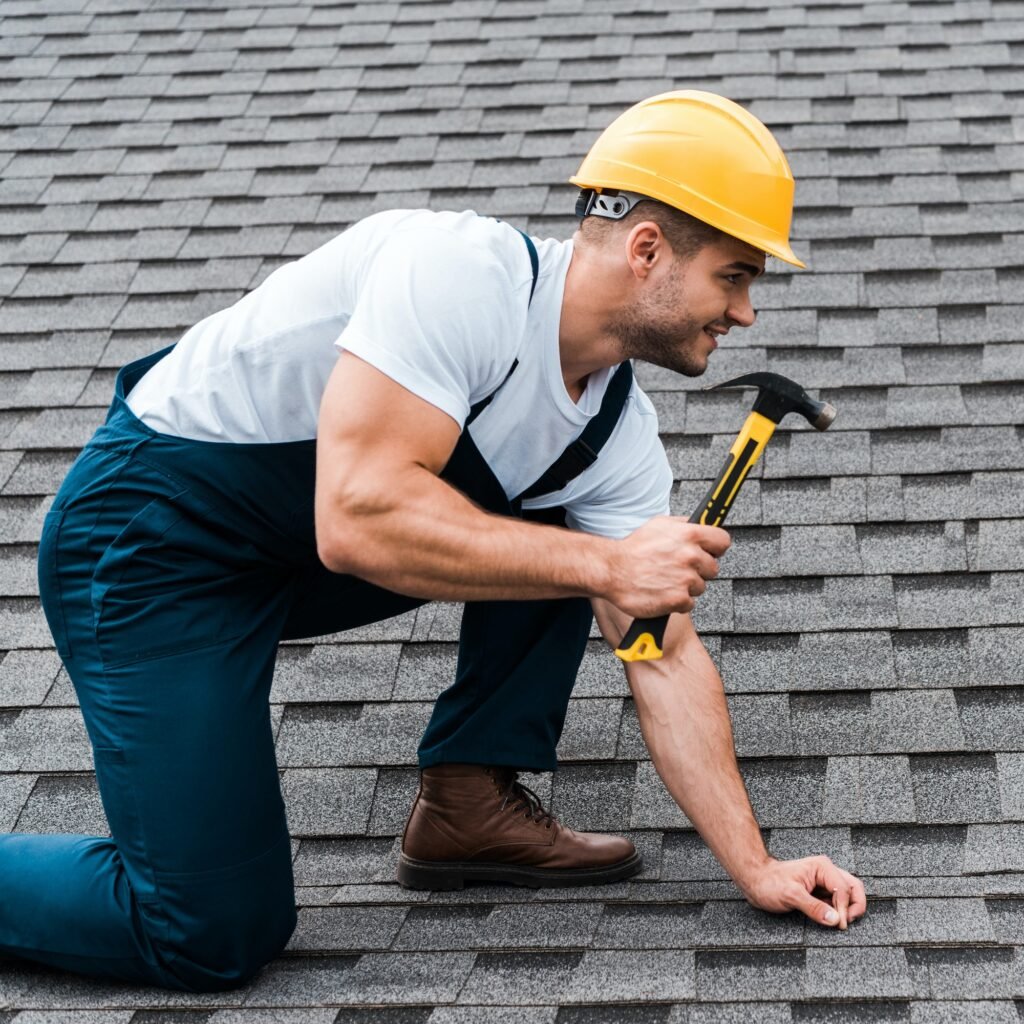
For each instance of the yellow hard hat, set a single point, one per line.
(702, 154)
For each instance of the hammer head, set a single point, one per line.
(778, 395)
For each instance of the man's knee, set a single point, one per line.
(214, 952)
(219, 934)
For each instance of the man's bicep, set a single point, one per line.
(376, 445)
(368, 421)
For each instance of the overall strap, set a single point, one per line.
(535, 268)
(583, 452)
(534, 261)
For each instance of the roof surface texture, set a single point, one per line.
(159, 159)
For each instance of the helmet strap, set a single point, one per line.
(613, 204)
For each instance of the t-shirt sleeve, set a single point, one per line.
(439, 315)
(632, 480)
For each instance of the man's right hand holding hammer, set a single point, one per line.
(664, 566)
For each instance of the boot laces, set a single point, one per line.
(522, 798)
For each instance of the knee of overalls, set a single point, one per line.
(218, 935)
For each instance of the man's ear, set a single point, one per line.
(645, 247)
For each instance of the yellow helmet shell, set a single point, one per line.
(704, 155)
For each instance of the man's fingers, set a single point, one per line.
(707, 566)
(815, 909)
(858, 897)
(713, 539)
(841, 901)
(847, 891)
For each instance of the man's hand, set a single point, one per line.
(782, 885)
(664, 566)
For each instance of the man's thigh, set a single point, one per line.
(171, 644)
(326, 602)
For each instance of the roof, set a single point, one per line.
(158, 159)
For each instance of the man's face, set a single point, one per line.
(680, 312)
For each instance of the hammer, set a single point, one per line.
(776, 396)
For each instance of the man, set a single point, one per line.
(252, 484)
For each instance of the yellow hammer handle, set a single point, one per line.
(643, 639)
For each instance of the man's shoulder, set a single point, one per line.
(465, 233)
(463, 259)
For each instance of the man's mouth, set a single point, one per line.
(714, 333)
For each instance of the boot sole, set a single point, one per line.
(443, 875)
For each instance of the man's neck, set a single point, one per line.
(583, 344)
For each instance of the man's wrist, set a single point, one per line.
(598, 560)
(746, 876)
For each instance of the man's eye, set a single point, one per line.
(733, 278)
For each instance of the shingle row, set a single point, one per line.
(556, 35)
(40, 193)
(864, 408)
(966, 972)
(909, 501)
(716, 923)
(976, 147)
(908, 451)
(464, 76)
(998, 887)
(940, 107)
(514, 37)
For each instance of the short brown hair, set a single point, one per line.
(685, 234)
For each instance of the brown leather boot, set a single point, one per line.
(479, 823)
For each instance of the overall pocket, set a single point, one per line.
(159, 588)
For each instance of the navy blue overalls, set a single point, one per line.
(169, 571)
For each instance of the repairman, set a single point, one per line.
(415, 411)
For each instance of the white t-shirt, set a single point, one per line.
(439, 303)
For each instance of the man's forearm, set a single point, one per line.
(424, 538)
(685, 722)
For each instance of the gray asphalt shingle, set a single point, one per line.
(529, 926)
(350, 734)
(356, 929)
(63, 804)
(355, 672)
(328, 802)
(856, 659)
(26, 677)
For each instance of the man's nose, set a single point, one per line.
(741, 312)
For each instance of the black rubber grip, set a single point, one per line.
(655, 628)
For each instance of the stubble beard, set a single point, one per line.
(653, 330)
